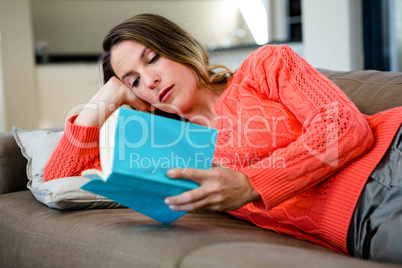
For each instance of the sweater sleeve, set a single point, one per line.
(77, 150)
(334, 132)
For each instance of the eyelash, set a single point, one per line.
(153, 60)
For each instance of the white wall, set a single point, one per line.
(332, 34)
(17, 61)
(63, 90)
(76, 27)
(43, 96)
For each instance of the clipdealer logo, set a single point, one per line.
(325, 119)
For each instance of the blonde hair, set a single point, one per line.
(168, 40)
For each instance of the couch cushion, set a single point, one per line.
(37, 146)
(371, 91)
(255, 254)
(34, 235)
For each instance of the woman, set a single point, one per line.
(293, 152)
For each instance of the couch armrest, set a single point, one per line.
(12, 165)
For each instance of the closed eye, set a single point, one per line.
(136, 82)
(154, 59)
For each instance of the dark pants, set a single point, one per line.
(375, 232)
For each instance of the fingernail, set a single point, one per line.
(167, 201)
(170, 173)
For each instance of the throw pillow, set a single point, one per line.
(37, 146)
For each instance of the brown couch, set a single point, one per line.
(34, 235)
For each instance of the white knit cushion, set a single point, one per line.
(37, 146)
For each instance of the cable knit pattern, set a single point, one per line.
(294, 133)
(77, 150)
(290, 129)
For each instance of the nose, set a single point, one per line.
(151, 80)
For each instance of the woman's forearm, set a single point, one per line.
(111, 96)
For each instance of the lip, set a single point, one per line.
(165, 94)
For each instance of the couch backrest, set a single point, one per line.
(371, 91)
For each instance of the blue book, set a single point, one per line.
(136, 150)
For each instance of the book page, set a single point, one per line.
(107, 143)
(106, 148)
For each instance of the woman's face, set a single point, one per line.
(166, 84)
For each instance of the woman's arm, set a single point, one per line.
(78, 149)
(334, 131)
(111, 96)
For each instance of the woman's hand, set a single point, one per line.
(221, 189)
(111, 96)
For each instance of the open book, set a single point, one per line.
(136, 150)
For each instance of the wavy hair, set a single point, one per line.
(168, 40)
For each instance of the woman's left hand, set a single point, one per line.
(221, 189)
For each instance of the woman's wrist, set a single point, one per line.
(252, 194)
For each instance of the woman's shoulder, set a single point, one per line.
(269, 51)
(266, 52)
(261, 57)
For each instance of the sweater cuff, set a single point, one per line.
(81, 136)
(270, 184)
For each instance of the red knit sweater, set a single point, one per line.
(295, 134)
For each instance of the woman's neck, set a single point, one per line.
(203, 111)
